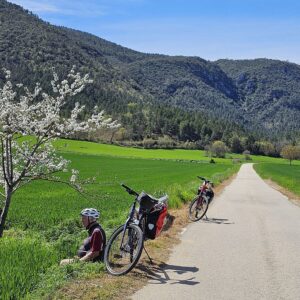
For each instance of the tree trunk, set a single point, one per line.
(112, 136)
(5, 210)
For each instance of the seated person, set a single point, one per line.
(92, 248)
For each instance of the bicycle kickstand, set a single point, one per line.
(151, 262)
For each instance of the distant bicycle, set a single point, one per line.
(126, 244)
(199, 205)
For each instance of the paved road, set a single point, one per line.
(249, 248)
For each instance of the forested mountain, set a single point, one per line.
(268, 91)
(186, 98)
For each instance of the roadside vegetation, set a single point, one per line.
(43, 221)
(43, 225)
(285, 175)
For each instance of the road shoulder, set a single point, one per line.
(105, 286)
(295, 199)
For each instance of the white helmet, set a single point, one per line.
(90, 212)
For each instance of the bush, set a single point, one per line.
(219, 149)
(246, 154)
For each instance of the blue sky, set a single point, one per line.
(211, 29)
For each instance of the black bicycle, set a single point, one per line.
(199, 205)
(126, 244)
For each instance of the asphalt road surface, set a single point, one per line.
(248, 248)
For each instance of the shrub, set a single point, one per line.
(219, 149)
(246, 154)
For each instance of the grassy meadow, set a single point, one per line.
(169, 154)
(43, 224)
(283, 174)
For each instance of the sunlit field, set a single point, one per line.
(43, 224)
(285, 175)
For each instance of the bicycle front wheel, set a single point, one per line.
(120, 257)
(198, 208)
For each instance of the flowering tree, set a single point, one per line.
(37, 115)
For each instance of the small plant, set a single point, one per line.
(236, 161)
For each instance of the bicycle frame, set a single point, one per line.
(126, 244)
(139, 220)
(129, 220)
(206, 185)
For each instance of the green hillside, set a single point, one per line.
(260, 96)
(269, 91)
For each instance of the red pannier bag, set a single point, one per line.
(155, 222)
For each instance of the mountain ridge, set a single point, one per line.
(262, 95)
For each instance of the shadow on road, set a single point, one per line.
(162, 273)
(216, 221)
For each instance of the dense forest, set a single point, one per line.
(159, 100)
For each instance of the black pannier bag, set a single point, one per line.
(155, 221)
(146, 202)
(209, 194)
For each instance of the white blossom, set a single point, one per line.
(37, 114)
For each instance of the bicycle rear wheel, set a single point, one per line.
(120, 258)
(198, 208)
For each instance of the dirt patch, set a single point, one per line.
(291, 196)
(105, 286)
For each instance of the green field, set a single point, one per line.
(170, 154)
(44, 224)
(285, 175)
(44, 204)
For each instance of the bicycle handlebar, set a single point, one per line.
(202, 178)
(129, 190)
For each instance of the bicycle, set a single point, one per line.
(126, 244)
(199, 205)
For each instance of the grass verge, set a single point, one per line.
(288, 177)
(104, 286)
